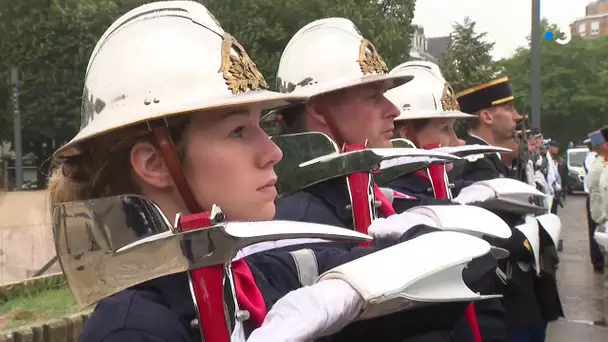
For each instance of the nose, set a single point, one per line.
(268, 153)
(391, 111)
(516, 116)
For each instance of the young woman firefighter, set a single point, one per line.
(180, 126)
(429, 111)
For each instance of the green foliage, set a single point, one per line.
(264, 27)
(50, 41)
(468, 60)
(573, 82)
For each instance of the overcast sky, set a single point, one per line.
(506, 21)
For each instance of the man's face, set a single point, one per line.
(554, 150)
(361, 113)
(532, 145)
(502, 121)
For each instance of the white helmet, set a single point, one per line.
(161, 59)
(434, 68)
(429, 95)
(331, 54)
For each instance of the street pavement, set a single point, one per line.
(580, 288)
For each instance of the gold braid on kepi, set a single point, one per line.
(485, 95)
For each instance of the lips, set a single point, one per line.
(389, 131)
(272, 182)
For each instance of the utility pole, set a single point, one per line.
(535, 65)
(18, 144)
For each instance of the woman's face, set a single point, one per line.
(229, 162)
(440, 131)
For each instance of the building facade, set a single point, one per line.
(438, 46)
(595, 22)
(419, 49)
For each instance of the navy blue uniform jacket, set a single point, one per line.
(327, 203)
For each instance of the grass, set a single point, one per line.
(37, 306)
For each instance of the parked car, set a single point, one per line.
(575, 159)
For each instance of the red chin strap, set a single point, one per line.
(160, 130)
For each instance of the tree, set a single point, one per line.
(264, 27)
(573, 82)
(467, 61)
(50, 42)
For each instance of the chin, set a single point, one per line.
(383, 143)
(263, 212)
(266, 212)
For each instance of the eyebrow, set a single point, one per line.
(236, 112)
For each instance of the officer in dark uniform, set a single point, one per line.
(495, 124)
(528, 308)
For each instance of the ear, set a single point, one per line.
(402, 131)
(486, 117)
(149, 166)
(313, 107)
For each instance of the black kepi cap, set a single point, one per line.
(485, 95)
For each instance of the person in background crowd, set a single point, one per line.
(563, 175)
(597, 259)
(554, 180)
(553, 175)
(597, 203)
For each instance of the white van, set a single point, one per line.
(575, 161)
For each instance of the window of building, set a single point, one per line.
(595, 27)
(582, 29)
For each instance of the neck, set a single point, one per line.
(485, 134)
(313, 126)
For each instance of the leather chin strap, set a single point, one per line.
(163, 139)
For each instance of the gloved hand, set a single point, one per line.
(602, 239)
(558, 187)
(393, 227)
(539, 178)
(474, 193)
(604, 227)
(310, 312)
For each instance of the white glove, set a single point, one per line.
(310, 312)
(475, 193)
(601, 239)
(558, 187)
(605, 225)
(394, 226)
